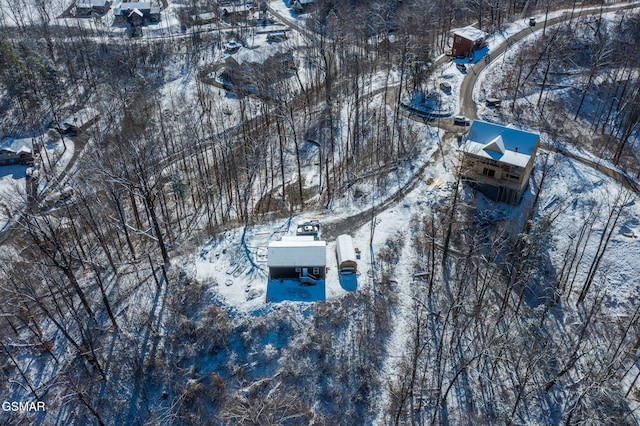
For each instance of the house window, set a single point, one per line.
(514, 177)
(298, 269)
(488, 172)
(316, 271)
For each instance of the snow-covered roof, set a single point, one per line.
(91, 3)
(136, 12)
(237, 8)
(294, 252)
(259, 55)
(17, 145)
(470, 33)
(504, 144)
(135, 5)
(298, 238)
(204, 16)
(141, 6)
(344, 248)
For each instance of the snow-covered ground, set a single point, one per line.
(234, 265)
(12, 191)
(579, 188)
(570, 192)
(573, 191)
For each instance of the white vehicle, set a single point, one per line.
(460, 120)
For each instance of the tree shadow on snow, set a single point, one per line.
(16, 171)
(348, 281)
(279, 290)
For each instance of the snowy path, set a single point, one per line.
(399, 332)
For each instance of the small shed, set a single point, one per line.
(293, 257)
(346, 254)
(87, 7)
(466, 40)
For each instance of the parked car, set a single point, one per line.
(460, 120)
(232, 46)
(494, 102)
(461, 67)
(276, 36)
(445, 87)
(532, 22)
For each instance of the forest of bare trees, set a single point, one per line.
(100, 320)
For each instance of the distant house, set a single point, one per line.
(254, 71)
(137, 13)
(297, 257)
(498, 160)
(276, 36)
(236, 13)
(203, 18)
(87, 7)
(466, 40)
(16, 151)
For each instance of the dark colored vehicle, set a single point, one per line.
(67, 129)
(445, 87)
(494, 102)
(461, 67)
(532, 22)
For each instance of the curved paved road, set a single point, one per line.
(467, 105)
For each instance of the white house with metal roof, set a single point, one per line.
(297, 257)
(498, 160)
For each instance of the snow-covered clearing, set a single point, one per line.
(219, 333)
